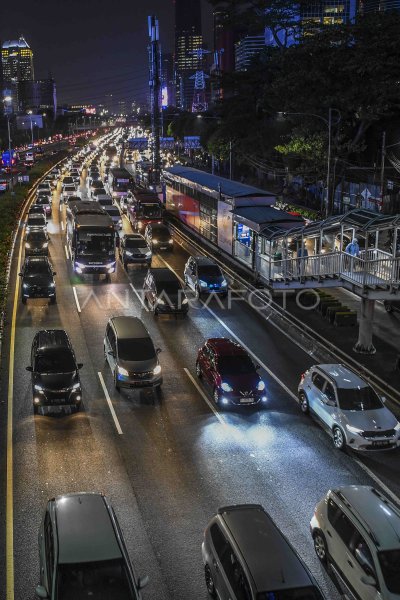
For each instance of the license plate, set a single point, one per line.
(246, 400)
(380, 444)
(163, 247)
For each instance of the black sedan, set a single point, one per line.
(38, 279)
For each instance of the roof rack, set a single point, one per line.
(356, 515)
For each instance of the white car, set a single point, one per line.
(69, 190)
(349, 408)
(356, 532)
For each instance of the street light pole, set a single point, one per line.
(8, 100)
(383, 162)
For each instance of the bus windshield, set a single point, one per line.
(95, 242)
(150, 211)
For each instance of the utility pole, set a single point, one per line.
(328, 174)
(155, 88)
(383, 163)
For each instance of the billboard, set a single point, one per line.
(167, 143)
(164, 96)
(225, 226)
(5, 158)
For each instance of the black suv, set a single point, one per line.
(55, 372)
(36, 243)
(158, 237)
(38, 279)
(133, 249)
(82, 551)
(164, 293)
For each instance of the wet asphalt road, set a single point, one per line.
(175, 463)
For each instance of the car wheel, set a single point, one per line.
(388, 307)
(53, 300)
(23, 300)
(78, 406)
(209, 582)
(339, 440)
(198, 371)
(304, 403)
(216, 396)
(116, 381)
(320, 547)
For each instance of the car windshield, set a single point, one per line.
(99, 191)
(209, 271)
(136, 349)
(135, 244)
(235, 365)
(106, 580)
(308, 593)
(56, 360)
(42, 200)
(36, 236)
(36, 219)
(358, 399)
(390, 565)
(35, 267)
(150, 210)
(70, 188)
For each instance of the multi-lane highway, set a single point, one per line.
(165, 463)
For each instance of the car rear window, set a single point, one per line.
(308, 593)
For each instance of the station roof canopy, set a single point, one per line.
(259, 217)
(359, 219)
(215, 183)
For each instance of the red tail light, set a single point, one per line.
(302, 377)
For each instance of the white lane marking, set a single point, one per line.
(384, 487)
(237, 338)
(78, 306)
(139, 297)
(62, 225)
(110, 406)
(204, 396)
(66, 252)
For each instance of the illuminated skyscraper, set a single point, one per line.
(17, 65)
(188, 39)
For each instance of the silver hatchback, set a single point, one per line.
(349, 408)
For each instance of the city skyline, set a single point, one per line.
(83, 65)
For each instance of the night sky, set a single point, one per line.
(92, 47)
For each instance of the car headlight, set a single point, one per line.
(148, 253)
(25, 285)
(203, 283)
(397, 427)
(128, 253)
(170, 241)
(45, 245)
(226, 387)
(261, 386)
(160, 301)
(52, 284)
(27, 245)
(122, 371)
(76, 386)
(80, 265)
(353, 429)
(37, 387)
(110, 265)
(224, 283)
(154, 241)
(157, 370)
(185, 301)
(140, 225)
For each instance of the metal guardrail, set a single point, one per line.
(297, 331)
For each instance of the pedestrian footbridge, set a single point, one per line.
(314, 255)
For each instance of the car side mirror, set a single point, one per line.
(30, 369)
(142, 582)
(79, 365)
(330, 402)
(41, 591)
(158, 350)
(368, 580)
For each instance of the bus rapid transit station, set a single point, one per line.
(283, 252)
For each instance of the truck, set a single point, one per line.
(91, 241)
(144, 208)
(119, 183)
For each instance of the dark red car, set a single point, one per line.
(228, 369)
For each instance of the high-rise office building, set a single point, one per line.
(246, 49)
(188, 40)
(369, 6)
(17, 65)
(327, 12)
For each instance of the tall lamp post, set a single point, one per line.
(7, 101)
(30, 119)
(328, 122)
